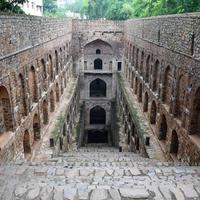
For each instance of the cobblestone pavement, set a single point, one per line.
(99, 174)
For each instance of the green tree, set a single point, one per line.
(49, 7)
(11, 6)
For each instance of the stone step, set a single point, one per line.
(93, 183)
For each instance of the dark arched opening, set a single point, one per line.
(146, 99)
(57, 62)
(6, 122)
(195, 121)
(155, 75)
(45, 112)
(36, 127)
(97, 115)
(140, 93)
(51, 68)
(52, 101)
(167, 86)
(26, 143)
(174, 143)
(163, 129)
(98, 88)
(33, 84)
(147, 69)
(98, 51)
(24, 110)
(44, 70)
(98, 64)
(57, 93)
(153, 113)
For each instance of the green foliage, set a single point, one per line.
(50, 7)
(58, 128)
(11, 6)
(126, 9)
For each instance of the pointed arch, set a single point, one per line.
(36, 127)
(57, 93)
(23, 109)
(147, 69)
(140, 93)
(142, 63)
(57, 62)
(52, 101)
(180, 96)
(26, 143)
(166, 96)
(97, 115)
(174, 146)
(163, 128)
(44, 69)
(146, 99)
(195, 119)
(136, 85)
(6, 120)
(155, 75)
(45, 112)
(153, 113)
(33, 84)
(98, 51)
(51, 68)
(98, 88)
(98, 64)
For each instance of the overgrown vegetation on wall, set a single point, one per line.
(55, 134)
(133, 111)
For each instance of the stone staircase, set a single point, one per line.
(99, 173)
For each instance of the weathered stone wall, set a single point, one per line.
(20, 33)
(172, 31)
(35, 65)
(165, 77)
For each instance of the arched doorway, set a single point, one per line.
(195, 120)
(57, 62)
(153, 113)
(24, 110)
(167, 86)
(147, 69)
(142, 63)
(57, 93)
(6, 122)
(98, 51)
(61, 58)
(181, 91)
(98, 64)
(26, 143)
(163, 128)
(33, 84)
(155, 75)
(136, 85)
(174, 143)
(45, 112)
(98, 88)
(146, 99)
(52, 101)
(36, 127)
(140, 93)
(51, 68)
(97, 115)
(44, 70)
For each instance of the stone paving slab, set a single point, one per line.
(108, 175)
